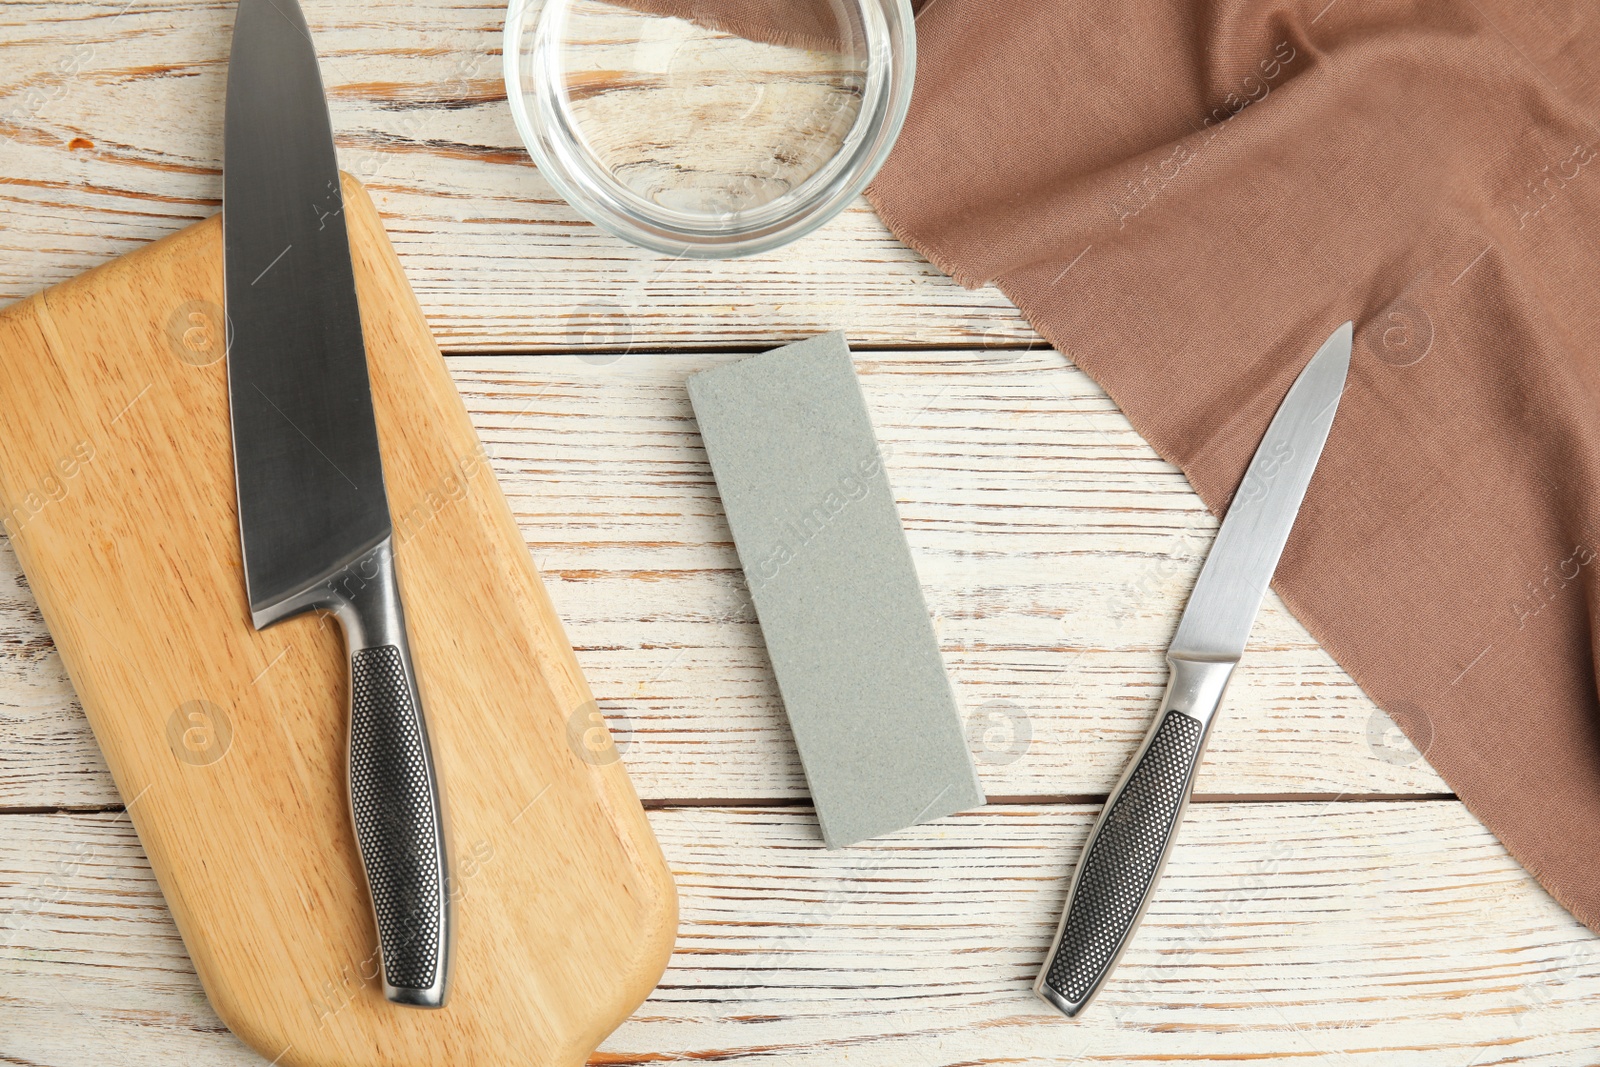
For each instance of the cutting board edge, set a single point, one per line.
(627, 811)
(653, 884)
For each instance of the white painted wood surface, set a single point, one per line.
(1055, 549)
(1330, 901)
(418, 107)
(1354, 933)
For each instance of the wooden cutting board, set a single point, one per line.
(229, 745)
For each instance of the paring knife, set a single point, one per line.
(1129, 844)
(313, 515)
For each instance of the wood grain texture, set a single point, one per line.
(113, 114)
(702, 120)
(229, 745)
(1055, 549)
(1358, 933)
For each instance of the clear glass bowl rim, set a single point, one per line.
(891, 50)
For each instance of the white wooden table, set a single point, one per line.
(1329, 900)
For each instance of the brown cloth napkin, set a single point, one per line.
(1187, 197)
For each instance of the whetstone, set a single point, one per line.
(229, 745)
(835, 590)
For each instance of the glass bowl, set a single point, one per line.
(709, 128)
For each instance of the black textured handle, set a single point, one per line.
(395, 801)
(1124, 857)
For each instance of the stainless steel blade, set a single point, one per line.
(305, 447)
(1223, 606)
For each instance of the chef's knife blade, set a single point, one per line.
(313, 515)
(1130, 842)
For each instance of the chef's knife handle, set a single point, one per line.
(394, 793)
(1130, 842)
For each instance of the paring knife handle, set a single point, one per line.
(1130, 842)
(394, 793)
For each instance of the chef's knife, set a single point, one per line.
(1129, 844)
(313, 515)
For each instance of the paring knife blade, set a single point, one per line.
(1129, 845)
(313, 514)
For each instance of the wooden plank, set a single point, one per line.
(1356, 933)
(113, 114)
(216, 731)
(1055, 547)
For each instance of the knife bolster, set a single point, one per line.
(1195, 685)
(365, 597)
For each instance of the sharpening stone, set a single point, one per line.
(841, 610)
